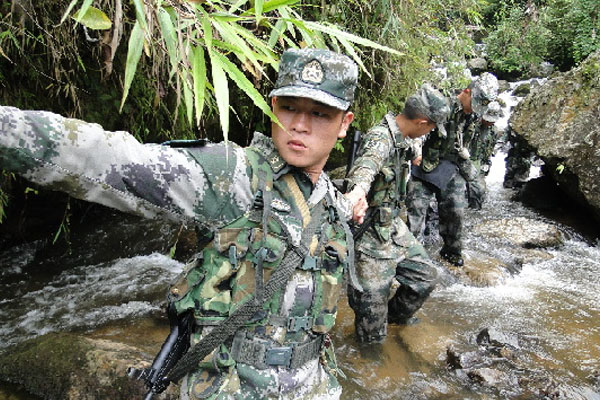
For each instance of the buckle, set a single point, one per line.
(279, 356)
(309, 264)
(296, 323)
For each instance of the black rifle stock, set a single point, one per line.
(354, 145)
(174, 347)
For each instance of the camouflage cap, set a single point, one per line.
(317, 74)
(493, 112)
(431, 103)
(484, 89)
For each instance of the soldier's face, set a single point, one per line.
(311, 130)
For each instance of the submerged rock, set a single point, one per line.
(523, 232)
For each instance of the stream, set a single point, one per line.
(552, 306)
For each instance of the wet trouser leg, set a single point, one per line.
(451, 205)
(419, 196)
(417, 280)
(371, 305)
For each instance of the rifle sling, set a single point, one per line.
(220, 333)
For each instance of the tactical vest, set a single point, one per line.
(242, 255)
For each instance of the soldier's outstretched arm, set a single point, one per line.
(114, 169)
(375, 148)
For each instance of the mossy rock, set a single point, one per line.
(70, 366)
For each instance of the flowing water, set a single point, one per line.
(552, 306)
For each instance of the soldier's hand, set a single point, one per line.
(358, 198)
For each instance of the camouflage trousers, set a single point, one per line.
(397, 277)
(452, 202)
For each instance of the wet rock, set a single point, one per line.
(72, 367)
(461, 359)
(542, 70)
(523, 232)
(496, 338)
(522, 90)
(503, 85)
(477, 65)
(488, 376)
(561, 120)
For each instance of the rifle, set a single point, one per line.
(354, 145)
(174, 347)
(358, 230)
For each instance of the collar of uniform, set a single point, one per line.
(400, 141)
(267, 148)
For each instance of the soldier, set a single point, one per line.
(481, 145)
(518, 161)
(264, 208)
(446, 168)
(392, 266)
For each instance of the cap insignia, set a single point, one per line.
(313, 72)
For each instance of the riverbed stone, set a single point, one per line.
(72, 367)
(561, 121)
(523, 232)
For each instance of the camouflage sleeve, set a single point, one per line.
(375, 148)
(112, 168)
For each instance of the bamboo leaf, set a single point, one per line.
(350, 50)
(93, 19)
(271, 5)
(277, 32)
(170, 38)
(140, 13)
(221, 88)
(243, 83)
(229, 34)
(188, 98)
(134, 52)
(258, 9)
(338, 33)
(199, 75)
(69, 9)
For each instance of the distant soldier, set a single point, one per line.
(482, 142)
(446, 168)
(518, 161)
(393, 267)
(272, 218)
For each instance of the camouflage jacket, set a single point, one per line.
(381, 163)
(436, 147)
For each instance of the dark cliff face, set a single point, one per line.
(561, 120)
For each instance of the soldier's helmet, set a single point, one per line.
(493, 112)
(484, 90)
(431, 103)
(317, 74)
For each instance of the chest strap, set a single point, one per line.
(263, 354)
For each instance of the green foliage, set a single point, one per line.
(522, 34)
(434, 32)
(517, 43)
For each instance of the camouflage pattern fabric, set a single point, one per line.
(213, 187)
(482, 142)
(389, 261)
(518, 161)
(452, 200)
(451, 205)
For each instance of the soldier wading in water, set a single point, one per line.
(269, 211)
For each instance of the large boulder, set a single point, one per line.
(561, 120)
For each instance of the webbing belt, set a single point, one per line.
(263, 354)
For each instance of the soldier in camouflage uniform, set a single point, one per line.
(446, 168)
(256, 205)
(518, 161)
(481, 142)
(393, 267)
